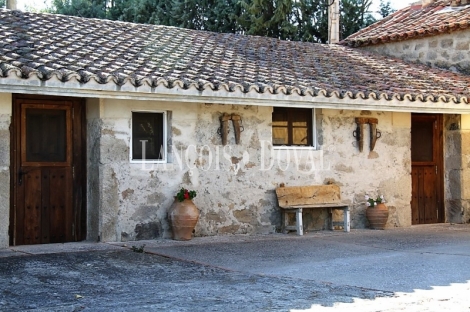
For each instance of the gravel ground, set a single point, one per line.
(423, 268)
(129, 281)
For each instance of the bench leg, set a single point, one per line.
(299, 223)
(285, 222)
(330, 219)
(347, 225)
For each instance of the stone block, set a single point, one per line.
(431, 55)
(463, 67)
(453, 162)
(463, 46)
(447, 43)
(4, 148)
(245, 216)
(453, 208)
(215, 216)
(230, 229)
(465, 187)
(433, 44)
(419, 46)
(465, 142)
(441, 64)
(453, 143)
(455, 184)
(458, 56)
(4, 207)
(145, 231)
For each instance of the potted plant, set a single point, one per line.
(377, 212)
(183, 214)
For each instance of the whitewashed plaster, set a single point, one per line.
(5, 120)
(236, 184)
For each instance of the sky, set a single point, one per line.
(396, 4)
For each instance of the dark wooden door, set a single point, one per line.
(48, 197)
(427, 169)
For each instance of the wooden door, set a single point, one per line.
(47, 179)
(427, 169)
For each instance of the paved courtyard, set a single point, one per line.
(422, 268)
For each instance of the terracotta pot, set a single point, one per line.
(183, 216)
(377, 216)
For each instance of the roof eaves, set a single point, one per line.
(136, 85)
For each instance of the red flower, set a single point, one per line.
(185, 194)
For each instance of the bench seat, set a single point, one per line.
(294, 199)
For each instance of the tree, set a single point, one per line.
(222, 16)
(385, 8)
(82, 8)
(302, 20)
(311, 20)
(271, 18)
(355, 15)
(2, 3)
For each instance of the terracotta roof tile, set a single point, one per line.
(74, 49)
(414, 21)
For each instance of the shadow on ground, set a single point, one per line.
(125, 280)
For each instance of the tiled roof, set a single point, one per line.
(412, 22)
(77, 51)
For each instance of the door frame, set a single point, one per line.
(439, 156)
(79, 157)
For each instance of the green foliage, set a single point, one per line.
(302, 20)
(185, 194)
(372, 202)
(311, 20)
(82, 8)
(385, 8)
(354, 16)
(139, 249)
(2, 3)
(271, 18)
(222, 16)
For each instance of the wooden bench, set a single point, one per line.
(293, 199)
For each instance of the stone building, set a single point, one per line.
(102, 122)
(431, 32)
(435, 33)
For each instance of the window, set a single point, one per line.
(148, 136)
(293, 126)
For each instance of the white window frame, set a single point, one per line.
(314, 136)
(165, 139)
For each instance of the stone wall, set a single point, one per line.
(449, 51)
(93, 168)
(5, 120)
(457, 168)
(236, 183)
